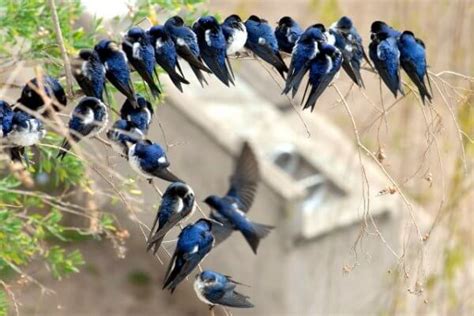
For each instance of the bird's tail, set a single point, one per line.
(177, 79)
(154, 242)
(199, 76)
(64, 149)
(255, 233)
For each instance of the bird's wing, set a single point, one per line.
(185, 52)
(220, 231)
(235, 299)
(410, 68)
(265, 52)
(244, 181)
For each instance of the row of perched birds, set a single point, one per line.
(206, 47)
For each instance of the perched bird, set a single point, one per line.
(187, 46)
(88, 119)
(149, 160)
(33, 100)
(122, 134)
(177, 203)
(214, 288)
(384, 53)
(329, 36)
(287, 33)
(349, 43)
(141, 55)
(165, 55)
(89, 73)
(305, 50)
(231, 209)
(235, 34)
(139, 116)
(25, 131)
(6, 118)
(261, 40)
(324, 67)
(213, 47)
(413, 61)
(116, 68)
(194, 243)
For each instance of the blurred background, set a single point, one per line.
(346, 242)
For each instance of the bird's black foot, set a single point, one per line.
(150, 181)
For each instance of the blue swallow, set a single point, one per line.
(89, 73)
(231, 209)
(88, 119)
(122, 134)
(166, 56)
(329, 36)
(141, 55)
(194, 242)
(116, 68)
(177, 203)
(140, 116)
(261, 40)
(213, 47)
(149, 160)
(235, 34)
(213, 288)
(413, 61)
(384, 53)
(324, 67)
(187, 47)
(287, 32)
(51, 88)
(349, 43)
(304, 52)
(25, 131)
(6, 118)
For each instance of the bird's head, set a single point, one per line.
(207, 23)
(254, 18)
(184, 191)
(158, 31)
(106, 47)
(143, 103)
(136, 34)
(175, 21)
(207, 277)
(204, 224)
(319, 26)
(286, 21)
(85, 54)
(378, 26)
(233, 18)
(344, 24)
(212, 201)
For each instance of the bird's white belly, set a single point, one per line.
(25, 138)
(238, 42)
(198, 286)
(135, 163)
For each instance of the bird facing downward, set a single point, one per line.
(177, 203)
(88, 119)
(214, 288)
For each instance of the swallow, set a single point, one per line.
(149, 160)
(231, 209)
(235, 34)
(213, 47)
(304, 52)
(413, 61)
(6, 118)
(88, 119)
(177, 203)
(287, 32)
(25, 131)
(262, 42)
(324, 68)
(139, 116)
(213, 288)
(349, 43)
(187, 47)
(122, 134)
(384, 53)
(116, 68)
(141, 55)
(166, 56)
(194, 242)
(328, 35)
(89, 73)
(33, 99)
